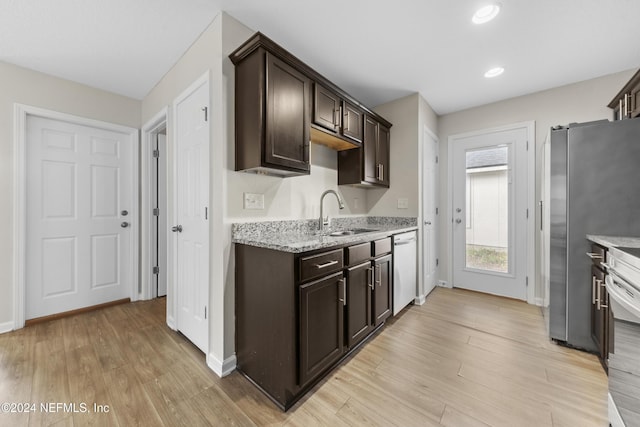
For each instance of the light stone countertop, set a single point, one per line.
(615, 241)
(297, 237)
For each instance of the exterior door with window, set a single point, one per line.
(490, 212)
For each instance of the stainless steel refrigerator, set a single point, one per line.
(594, 187)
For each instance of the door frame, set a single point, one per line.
(20, 113)
(531, 186)
(149, 131)
(421, 294)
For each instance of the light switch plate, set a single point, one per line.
(253, 201)
(403, 203)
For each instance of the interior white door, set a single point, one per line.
(192, 228)
(80, 216)
(429, 189)
(490, 212)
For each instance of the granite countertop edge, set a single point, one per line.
(615, 241)
(297, 243)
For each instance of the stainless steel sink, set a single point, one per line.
(351, 232)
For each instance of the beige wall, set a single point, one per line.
(20, 85)
(579, 102)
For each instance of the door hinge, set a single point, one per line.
(205, 311)
(156, 153)
(206, 213)
(527, 213)
(206, 113)
(436, 159)
(527, 145)
(156, 211)
(156, 270)
(526, 281)
(437, 262)
(436, 211)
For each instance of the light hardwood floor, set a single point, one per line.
(461, 359)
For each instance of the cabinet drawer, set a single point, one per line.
(382, 246)
(318, 265)
(358, 253)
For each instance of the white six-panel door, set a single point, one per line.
(78, 187)
(192, 196)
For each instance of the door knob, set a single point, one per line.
(177, 228)
(124, 213)
(458, 210)
(124, 224)
(458, 220)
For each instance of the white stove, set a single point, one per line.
(623, 286)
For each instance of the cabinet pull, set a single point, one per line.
(371, 279)
(326, 264)
(347, 120)
(594, 255)
(381, 172)
(599, 286)
(620, 110)
(336, 118)
(379, 274)
(603, 285)
(343, 283)
(626, 105)
(593, 289)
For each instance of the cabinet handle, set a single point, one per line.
(379, 274)
(381, 172)
(594, 255)
(326, 264)
(347, 120)
(343, 283)
(603, 285)
(598, 285)
(336, 118)
(371, 279)
(340, 117)
(626, 104)
(593, 289)
(620, 109)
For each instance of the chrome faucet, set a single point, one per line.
(325, 221)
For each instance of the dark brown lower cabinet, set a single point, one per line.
(299, 315)
(601, 317)
(321, 325)
(359, 284)
(382, 295)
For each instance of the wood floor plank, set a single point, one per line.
(461, 359)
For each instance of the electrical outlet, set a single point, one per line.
(253, 201)
(403, 203)
(443, 283)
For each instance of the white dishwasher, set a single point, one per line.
(404, 270)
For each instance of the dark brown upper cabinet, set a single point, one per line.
(337, 117)
(368, 165)
(272, 116)
(626, 104)
(281, 104)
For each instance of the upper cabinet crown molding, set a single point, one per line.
(277, 116)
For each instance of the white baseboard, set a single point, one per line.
(171, 322)
(538, 301)
(6, 327)
(419, 300)
(222, 369)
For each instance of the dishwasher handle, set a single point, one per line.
(403, 242)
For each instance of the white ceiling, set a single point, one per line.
(376, 50)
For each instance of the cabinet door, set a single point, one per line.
(597, 314)
(321, 325)
(382, 155)
(634, 102)
(287, 116)
(383, 285)
(359, 286)
(351, 122)
(326, 108)
(369, 148)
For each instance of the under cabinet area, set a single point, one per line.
(299, 314)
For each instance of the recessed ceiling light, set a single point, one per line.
(486, 13)
(494, 72)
